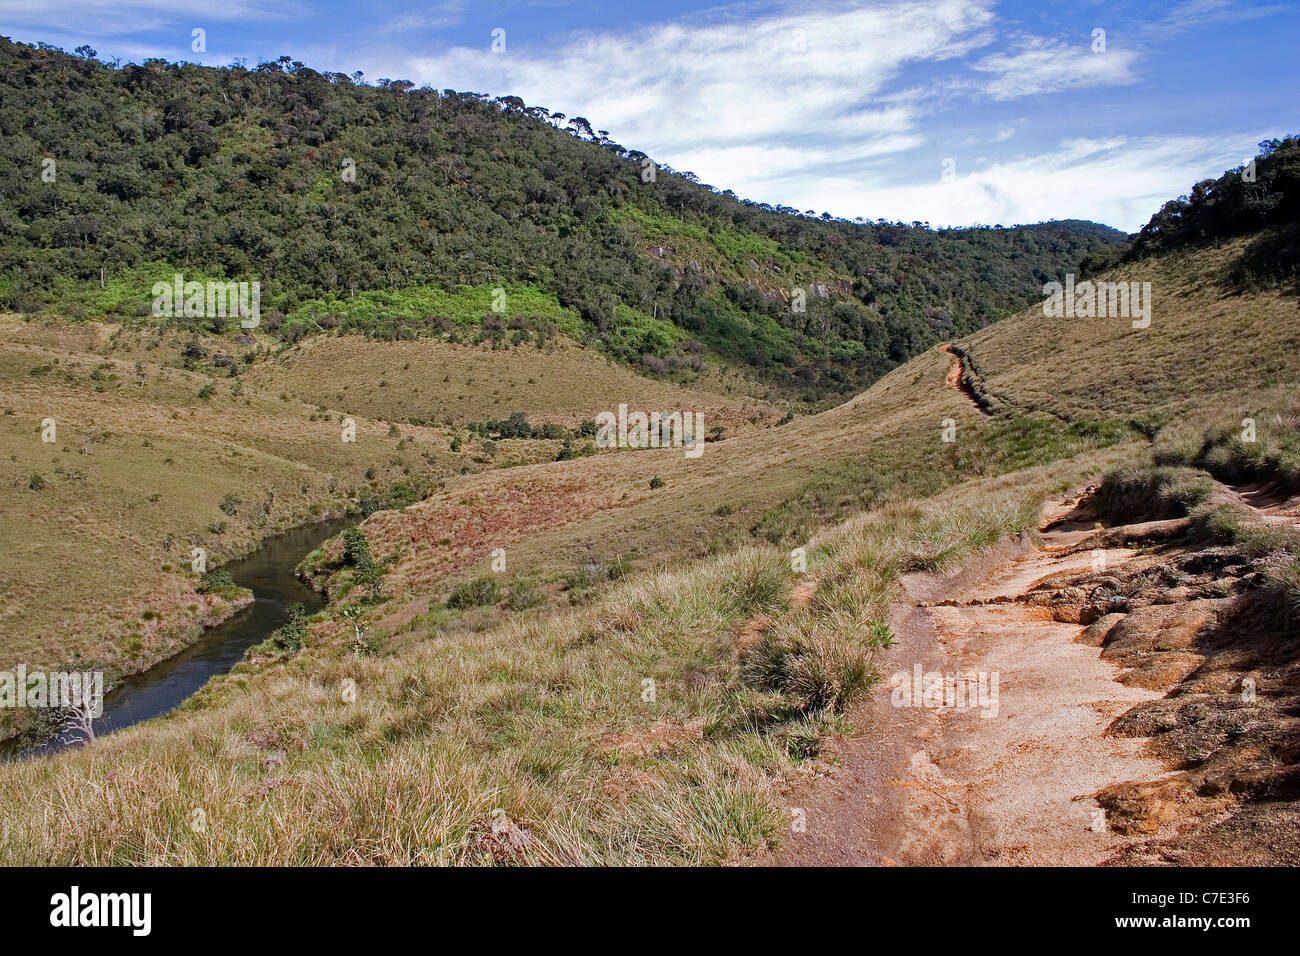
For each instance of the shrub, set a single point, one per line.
(586, 575)
(356, 554)
(523, 595)
(217, 581)
(230, 504)
(1134, 494)
(292, 635)
(569, 451)
(813, 670)
(356, 548)
(476, 593)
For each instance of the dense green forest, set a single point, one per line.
(1262, 193)
(397, 211)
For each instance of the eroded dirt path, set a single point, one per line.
(1269, 505)
(1010, 783)
(954, 380)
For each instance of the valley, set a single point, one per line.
(618, 583)
(968, 546)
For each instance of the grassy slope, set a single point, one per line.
(563, 383)
(1211, 359)
(1084, 370)
(159, 461)
(541, 723)
(541, 715)
(782, 481)
(117, 521)
(1204, 343)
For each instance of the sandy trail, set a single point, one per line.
(1004, 784)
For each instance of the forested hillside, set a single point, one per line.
(1263, 193)
(396, 211)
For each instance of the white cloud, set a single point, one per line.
(797, 107)
(706, 95)
(1118, 181)
(1048, 66)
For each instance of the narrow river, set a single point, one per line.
(268, 572)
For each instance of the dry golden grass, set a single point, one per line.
(436, 380)
(550, 518)
(1205, 343)
(108, 536)
(541, 725)
(97, 560)
(536, 722)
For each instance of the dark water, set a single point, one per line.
(268, 572)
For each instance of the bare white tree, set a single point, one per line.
(79, 717)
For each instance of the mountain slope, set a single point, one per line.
(546, 715)
(1062, 385)
(161, 168)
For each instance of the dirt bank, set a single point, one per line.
(1112, 726)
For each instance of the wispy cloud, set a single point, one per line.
(1040, 65)
(789, 104)
(120, 17)
(777, 78)
(1191, 14)
(428, 16)
(1118, 180)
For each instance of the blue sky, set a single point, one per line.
(849, 107)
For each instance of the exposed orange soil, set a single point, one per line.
(1005, 784)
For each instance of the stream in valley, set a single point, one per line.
(268, 573)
